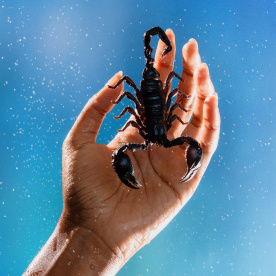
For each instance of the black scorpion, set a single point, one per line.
(154, 116)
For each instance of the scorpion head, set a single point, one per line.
(150, 74)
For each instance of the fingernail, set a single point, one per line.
(186, 45)
(110, 81)
(121, 73)
(193, 43)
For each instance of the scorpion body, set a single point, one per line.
(154, 116)
(153, 101)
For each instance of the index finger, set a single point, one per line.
(165, 66)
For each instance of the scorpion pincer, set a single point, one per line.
(154, 116)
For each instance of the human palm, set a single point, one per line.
(94, 196)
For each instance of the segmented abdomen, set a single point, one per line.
(154, 102)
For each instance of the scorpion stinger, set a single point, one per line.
(153, 116)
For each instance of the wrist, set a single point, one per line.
(73, 250)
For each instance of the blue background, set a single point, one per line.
(54, 55)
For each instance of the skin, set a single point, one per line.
(103, 222)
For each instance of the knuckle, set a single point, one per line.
(209, 148)
(70, 143)
(188, 71)
(67, 143)
(98, 108)
(197, 121)
(211, 126)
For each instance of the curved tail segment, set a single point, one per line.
(148, 50)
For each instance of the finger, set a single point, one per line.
(165, 66)
(210, 133)
(204, 88)
(88, 123)
(211, 126)
(191, 61)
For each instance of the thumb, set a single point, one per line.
(88, 123)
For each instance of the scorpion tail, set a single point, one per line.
(148, 50)
(193, 156)
(121, 164)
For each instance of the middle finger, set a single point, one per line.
(191, 61)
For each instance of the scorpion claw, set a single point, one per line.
(122, 165)
(193, 157)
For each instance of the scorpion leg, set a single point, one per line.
(130, 82)
(131, 97)
(168, 80)
(134, 124)
(131, 111)
(193, 155)
(174, 107)
(122, 164)
(172, 119)
(173, 93)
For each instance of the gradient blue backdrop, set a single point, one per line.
(54, 55)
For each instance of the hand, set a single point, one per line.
(123, 220)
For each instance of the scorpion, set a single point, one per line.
(154, 116)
